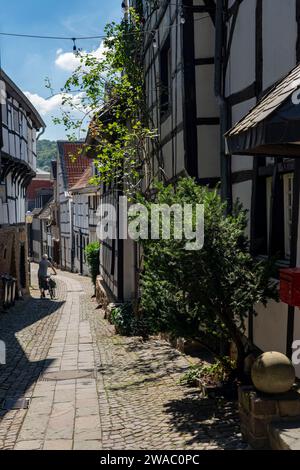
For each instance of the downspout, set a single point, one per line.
(225, 160)
(71, 233)
(41, 133)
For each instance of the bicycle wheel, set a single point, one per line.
(52, 293)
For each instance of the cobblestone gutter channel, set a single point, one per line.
(92, 389)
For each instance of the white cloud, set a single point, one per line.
(54, 103)
(68, 61)
(44, 106)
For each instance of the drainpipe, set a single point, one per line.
(70, 201)
(41, 133)
(225, 161)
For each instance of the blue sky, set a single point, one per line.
(29, 61)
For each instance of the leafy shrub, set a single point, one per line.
(208, 373)
(207, 293)
(127, 323)
(122, 317)
(92, 256)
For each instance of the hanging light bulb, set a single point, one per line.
(74, 45)
(182, 17)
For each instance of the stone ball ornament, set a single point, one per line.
(273, 373)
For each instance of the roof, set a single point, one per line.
(16, 93)
(273, 122)
(73, 163)
(42, 175)
(46, 211)
(40, 172)
(36, 211)
(36, 185)
(83, 182)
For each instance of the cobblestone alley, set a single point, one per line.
(71, 383)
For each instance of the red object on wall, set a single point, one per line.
(290, 286)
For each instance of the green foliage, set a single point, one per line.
(127, 323)
(92, 257)
(46, 151)
(208, 373)
(111, 96)
(206, 293)
(122, 317)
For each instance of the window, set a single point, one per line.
(279, 196)
(16, 120)
(9, 116)
(165, 78)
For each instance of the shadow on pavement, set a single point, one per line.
(206, 420)
(19, 373)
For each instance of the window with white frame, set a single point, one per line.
(282, 214)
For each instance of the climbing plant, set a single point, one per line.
(208, 293)
(109, 94)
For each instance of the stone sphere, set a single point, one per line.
(273, 372)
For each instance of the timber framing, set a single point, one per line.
(189, 93)
(263, 169)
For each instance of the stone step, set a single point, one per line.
(285, 436)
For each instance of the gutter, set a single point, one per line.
(225, 160)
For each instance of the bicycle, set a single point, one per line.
(51, 287)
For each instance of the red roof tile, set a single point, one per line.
(83, 182)
(35, 186)
(73, 163)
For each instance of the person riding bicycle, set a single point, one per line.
(44, 264)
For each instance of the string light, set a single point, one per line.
(84, 38)
(154, 42)
(182, 16)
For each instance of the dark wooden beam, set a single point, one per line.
(298, 30)
(241, 176)
(189, 91)
(242, 95)
(211, 8)
(205, 61)
(258, 226)
(276, 234)
(231, 33)
(259, 47)
(207, 121)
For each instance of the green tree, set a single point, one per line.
(46, 151)
(111, 97)
(206, 293)
(92, 256)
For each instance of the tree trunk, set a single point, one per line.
(236, 337)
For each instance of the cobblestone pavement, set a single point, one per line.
(92, 389)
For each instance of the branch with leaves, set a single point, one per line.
(111, 101)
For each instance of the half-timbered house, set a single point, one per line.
(258, 44)
(19, 125)
(70, 168)
(178, 59)
(85, 204)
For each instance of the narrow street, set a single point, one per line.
(88, 388)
